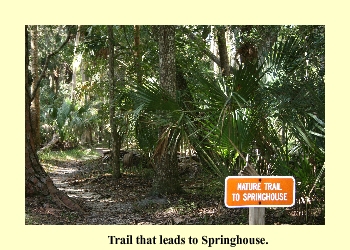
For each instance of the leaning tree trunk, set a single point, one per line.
(37, 181)
(167, 176)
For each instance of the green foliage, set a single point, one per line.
(244, 113)
(183, 207)
(76, 154)
(63, 116)
(271, 109)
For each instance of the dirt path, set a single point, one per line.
(85, 182)
(121, 202)
(125, 201)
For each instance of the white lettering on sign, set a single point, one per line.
(248, 186)
(272, 186)
(264, 196)
(259, 191)
(260, 196)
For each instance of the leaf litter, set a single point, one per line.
(126, 201)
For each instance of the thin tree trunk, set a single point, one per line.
(37, 181)
(137, 54)
(224, 61)
(55, 79)
(115, 137)
(214, 50)
(76, 63)
(35, 106)
(87, 133)
(167, 176)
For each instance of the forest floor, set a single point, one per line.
(126, 201)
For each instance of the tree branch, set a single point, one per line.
(206, 51)
(37, 84)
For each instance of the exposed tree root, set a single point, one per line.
(61, 198)
(54, 140)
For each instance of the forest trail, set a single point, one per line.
(86, 182)
(126, 202)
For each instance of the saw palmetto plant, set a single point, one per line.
(262, 110)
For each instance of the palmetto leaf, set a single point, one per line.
(178, 124)
(153, 98)
(235, 112)
(64, 112)
(284, 56)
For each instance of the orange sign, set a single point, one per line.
(259, 191)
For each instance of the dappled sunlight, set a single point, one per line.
(49, 167)
(69, 155)
(141, 124)
(208, 210)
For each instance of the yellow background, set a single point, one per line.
(15, 14)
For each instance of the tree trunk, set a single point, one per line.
(214, 52)
(35, 105)
(167, 67)
(37, 181)
(211, 53)
(115, 137)
(167, 176)
(224, 62)
(137, 54)
(87, 133)
(55, 77)
(76, 63)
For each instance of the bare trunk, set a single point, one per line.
(224, 61)
(86, 137)
(35, 105)
(167, 65)
(55, 79)
(76, 63)
(87, 133)
(115, 137)
(167, 177)
(214, 52)
(137, 54)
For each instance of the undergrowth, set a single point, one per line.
(76, 154)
